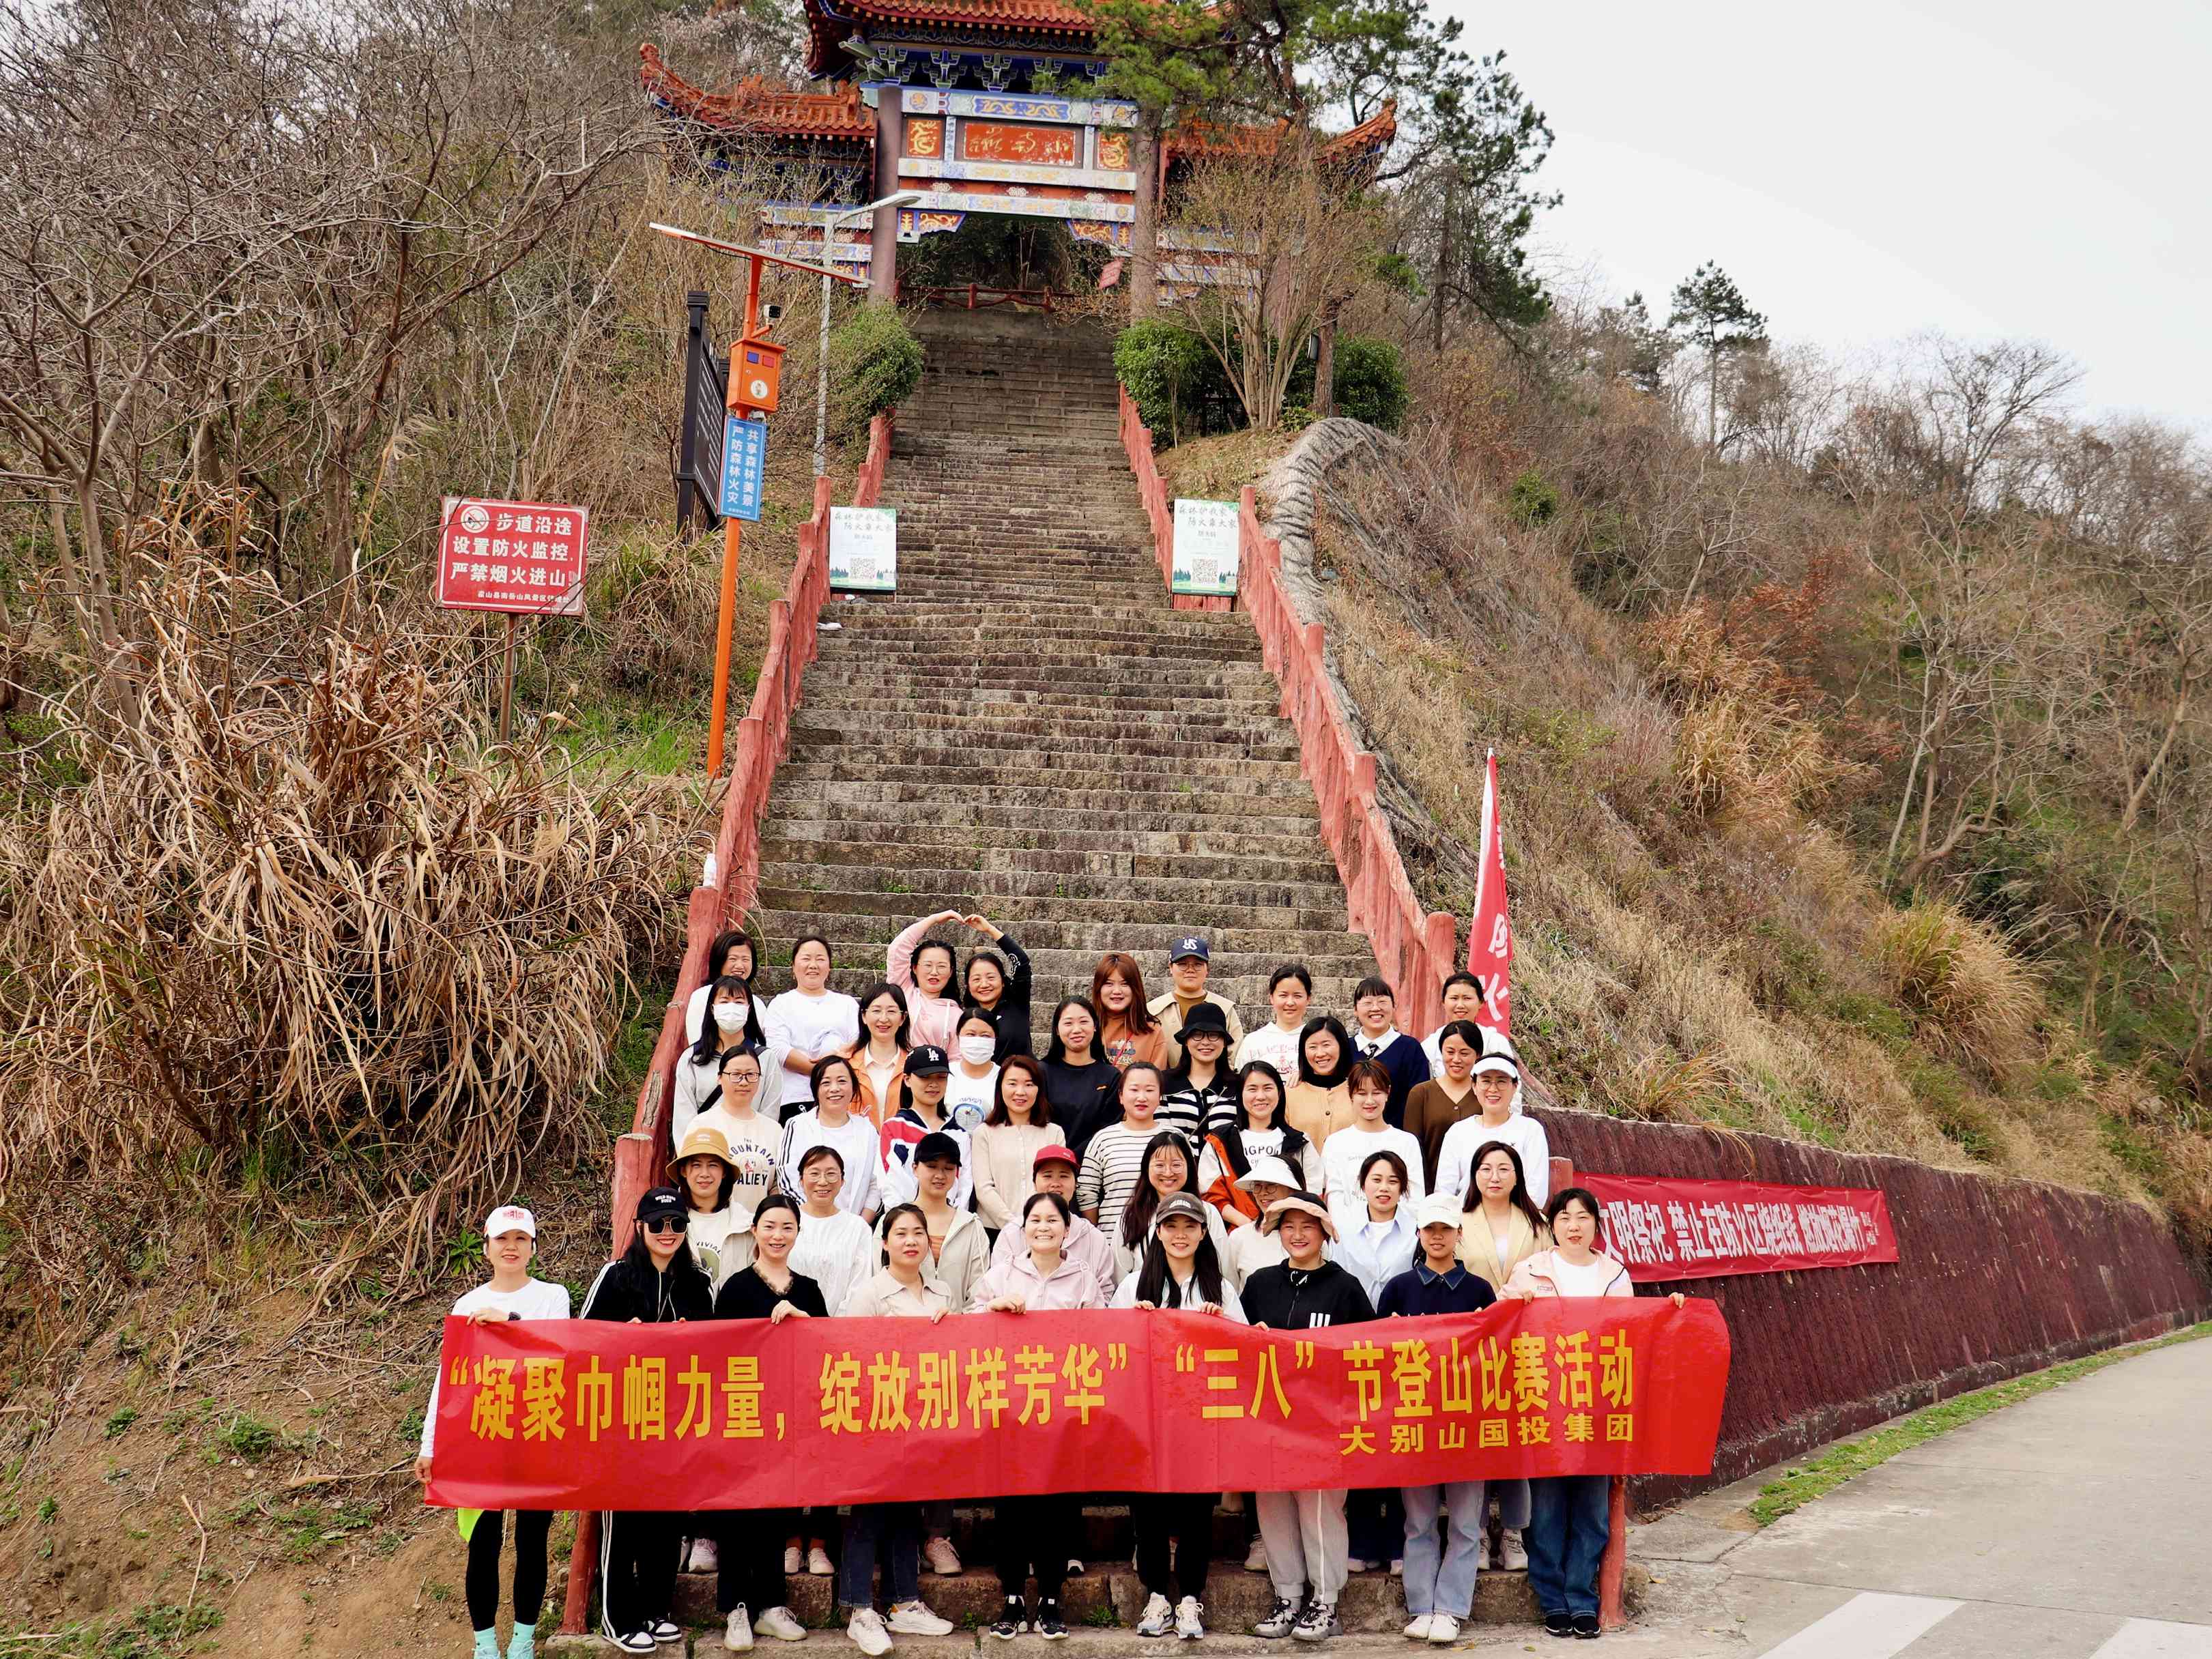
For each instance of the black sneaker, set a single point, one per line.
(1014, 1620)
(1049, 1624)
(1586, 1626)
(1558, 1624)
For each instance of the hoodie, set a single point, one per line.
(1287, 1298)
(1073, 1285)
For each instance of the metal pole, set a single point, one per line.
(822, 371)
(718, 713)
(506, 681)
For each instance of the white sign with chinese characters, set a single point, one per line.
(864, 549)
(1205, 547)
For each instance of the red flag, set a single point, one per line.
(1490, 935)
(1111, 275)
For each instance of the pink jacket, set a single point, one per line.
(1071, 1285)
(1534, 1274)
(932, 1020)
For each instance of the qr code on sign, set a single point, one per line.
(1207, 572)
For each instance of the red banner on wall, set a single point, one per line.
(1665, 1230)
(741, 1415)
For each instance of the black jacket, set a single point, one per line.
(1011, 1018)
(629, 1288)
(1082, 1100)
(1285, 1299)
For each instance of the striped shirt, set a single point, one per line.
(1113, 1164)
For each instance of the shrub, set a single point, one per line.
(875, 364)
(1163, 365)
(1533, 500)
(1369, 382)
(1972, 998)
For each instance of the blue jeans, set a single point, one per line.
(1569, 1518)
(1440, 1572)
(1375, 1523)
(1512, 1498)
(895, 1531)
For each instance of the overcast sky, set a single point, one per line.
(1868, 171)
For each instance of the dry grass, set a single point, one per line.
(304, 928)
(1974, 999)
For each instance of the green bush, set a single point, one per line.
(1534, 499)
(875, 364)
(1163, 365)
(1369, 379)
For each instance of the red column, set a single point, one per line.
(883, 241)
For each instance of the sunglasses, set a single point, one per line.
(666, 1224)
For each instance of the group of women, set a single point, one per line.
(904, 1153)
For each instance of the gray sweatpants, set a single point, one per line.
(1307, 1547)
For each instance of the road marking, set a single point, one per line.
(2151, 1638)
(1870, 1626)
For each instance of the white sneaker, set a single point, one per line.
(1074, 1567)
(866, 1627)
(1444, 1629)
(665, 1632)
(1357, 1564)
(1256, 1558)
(1510, 1556)
(637, 1641)
(794, 1560)
(915, 1618)
(1418, 1630)
(781, 1623)
(817, 1562)
(702, 1557)
(738, 1631)
(1397, 1566)
(1159, 1617)
(1482, 1555)
(942, 1561)
(1190, 1619)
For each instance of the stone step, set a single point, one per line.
(1176, 852)
(982, 818)
(1209, 729)
(900, 757)
(1067, 791)
(1034, 892)
(1075, 938)
(846, 683)
(1245, 907)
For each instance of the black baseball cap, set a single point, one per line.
(659, 1202)
(927, 1062)
(937, 1147)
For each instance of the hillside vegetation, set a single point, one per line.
(1853, 784)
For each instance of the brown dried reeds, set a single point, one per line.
(1974, 998)
(302, 925)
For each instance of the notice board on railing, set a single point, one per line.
(1205, 549)
(864, 549)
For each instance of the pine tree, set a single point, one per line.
(1711, 314)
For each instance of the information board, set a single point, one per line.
(1205, 547)
(744, 464)
(524, 557)
(864, 549)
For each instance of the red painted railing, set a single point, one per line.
(763, 739)
(981, 296)
(1415, 948)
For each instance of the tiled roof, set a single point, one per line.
(1194, 138)
(829, 21)
(757, 106)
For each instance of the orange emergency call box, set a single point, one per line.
(756, 372)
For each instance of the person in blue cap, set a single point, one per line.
(1190, 959)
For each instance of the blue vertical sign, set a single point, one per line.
(744, 462)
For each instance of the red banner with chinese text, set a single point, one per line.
(742, 1414)
(1665, 1230)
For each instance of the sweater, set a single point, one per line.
(931, 1019)
(1002, 1157)
(827, 1024)
(883, 1297)
(1272, 1043)
(1540, 1275)
(745, 1295)
(1124, 1049)
(536, 1300)
(1011, 1016)
(1072, 1286)
(1191, 1107)
(1086, 1247)
(1112, 1167)
(1286, 1298)
(1351, 1147)
(1402, 1058)
(1169, 1009)
(1081, 1099)
(721, 1240)
(836, 1252)
(755, 1144)
(1430, 1112)
(901, 1132)
(1456, 1160)
(962, 1259)
(1316, 1112)
(856, 1143)
(1418, 1291)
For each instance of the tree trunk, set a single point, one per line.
(1145, 235)
(2150, 772)
(1713, 399)
(1444, 272)
(1325, 370)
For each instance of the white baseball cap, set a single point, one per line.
(1437, 1210)
(1270, 1169)
(510, 1218)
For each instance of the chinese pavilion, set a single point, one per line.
(941, 98)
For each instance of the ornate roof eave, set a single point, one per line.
(1362, 145)
(829, 23)
(755, 106)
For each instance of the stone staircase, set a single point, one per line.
(1028, 729)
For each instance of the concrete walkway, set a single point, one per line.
(2076, 1525)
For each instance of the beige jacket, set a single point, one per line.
(1003, 1155)
(962, 1259)
(1478, 1247)
(883, 1297)
(1165, 1009)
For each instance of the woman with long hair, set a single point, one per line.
(732, 1023)
(810, 1022)
(1127, 1032)
(1447, 1097)
(1006, 1143)
(1169, 1169)
(1039, 1533)
(1000, 988)
(837, 1251)
(879, 1057)
(1180, 1270)
(1080, 1081)
(1256, 1131)
(655, 1281)
(1320, 1104)
(927, 971)
(1289, 993)
(834, 1086)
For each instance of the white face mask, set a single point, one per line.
(978, 1050)
(731, 1016)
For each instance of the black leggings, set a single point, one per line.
(749, 1551)
(637, 1568)
(1189, 1515)
(531, 1527)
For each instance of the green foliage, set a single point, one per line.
(1533, 500)
(249, 1437)
(1368, 379)
(121, 1420)
(1711, 313)
(1177, 382)
(875, 364)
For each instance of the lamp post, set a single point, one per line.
(837, 217)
